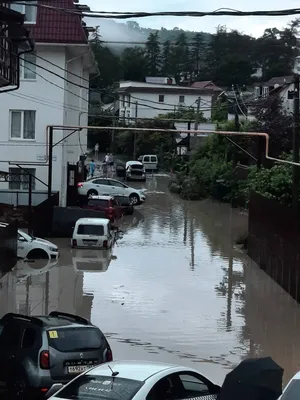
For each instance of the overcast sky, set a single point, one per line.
(250, 25)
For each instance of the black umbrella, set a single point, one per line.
(253, 379)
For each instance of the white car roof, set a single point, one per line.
(136, 370)
(133, 162)
(93, 221)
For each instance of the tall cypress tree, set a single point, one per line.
(153, 54)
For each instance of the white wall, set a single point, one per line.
(53, 105)
(149, 106)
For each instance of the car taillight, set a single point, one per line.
(109, 355)
(44, 360)
(74, 243)
(79, 185)
(105, 243)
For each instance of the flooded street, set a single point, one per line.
(174, 288)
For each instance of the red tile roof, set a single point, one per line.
(205, 85)
(53, 26)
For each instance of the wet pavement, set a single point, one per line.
(174, 288)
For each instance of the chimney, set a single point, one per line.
(169, 81)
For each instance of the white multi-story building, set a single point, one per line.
(148, 100)
(53, 91)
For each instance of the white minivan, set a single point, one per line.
(93, 233)
(150, 161)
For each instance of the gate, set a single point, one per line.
(72, 181)
(43, 215)
(8, 248)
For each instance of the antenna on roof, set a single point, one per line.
(113, 373)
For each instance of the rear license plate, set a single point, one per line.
(78, 369)
(90, 242)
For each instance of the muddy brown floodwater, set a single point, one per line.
(174, 288)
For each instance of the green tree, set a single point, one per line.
(166, 59)
(188, 114)
(220, 110)
(197, 53)
(181, 58)
(153, 54)
(134, 64)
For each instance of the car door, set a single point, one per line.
(23, 246)
(153, 162)
(116, 187)
(146, 162)
(10, 344)
(102, 186)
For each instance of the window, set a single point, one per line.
(181, 99)
(153, 159)
(29, 9)
(292, 391)
(146, 159)
(161, 98)
(89, 387)
(28, 69)
(74, 339)
(97, 230)
(116, 184)
(193, 385)
(22, 124)
(265, 91)
(19, 179)
(290, 95)
(100, 182)
(28, 338)
(11, 335)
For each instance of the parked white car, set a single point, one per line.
(33, 248)
(135, 170)
(137, 380)
(292, 389)
(93, 233)
(111, 187)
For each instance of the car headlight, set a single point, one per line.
(54, 249)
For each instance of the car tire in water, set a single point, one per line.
(134, 199)
(37, 254)
(92, 192)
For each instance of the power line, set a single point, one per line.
(142, 14)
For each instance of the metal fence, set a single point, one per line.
(8, 248)
(273, 243)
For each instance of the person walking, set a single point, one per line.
(96, 150)
(111, 162)
(92, 168)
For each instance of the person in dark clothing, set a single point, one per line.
(86, 172)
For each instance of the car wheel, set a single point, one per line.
(134, 199)
(92, 192)
(17, 389)
(37, 254)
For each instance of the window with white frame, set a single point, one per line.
(28, 66)
(22, 124)
(19, 178)
(181, 99)
(29, 9)
(161, 98)
(265, 91)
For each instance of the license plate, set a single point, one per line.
(78, 369)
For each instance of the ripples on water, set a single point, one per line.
(172, 289)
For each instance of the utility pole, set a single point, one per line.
(134, 135)
(197, 115)
(296, 144)
(50, 162)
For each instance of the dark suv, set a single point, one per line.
(37, 352)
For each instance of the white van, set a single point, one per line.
(93, 233)
(135, 170)
(150, 161)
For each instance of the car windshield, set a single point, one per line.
(292, 391)
(25, 236)
(92, 387)
(75, 339)
(85, 229)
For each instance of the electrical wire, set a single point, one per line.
(142, 14)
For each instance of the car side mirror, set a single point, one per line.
(21, 239)
(54, 389)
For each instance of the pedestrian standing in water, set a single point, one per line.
(92, 168)
(96, 150)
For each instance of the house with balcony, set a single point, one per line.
(149, 99)
(54, 90)
(281, 86)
